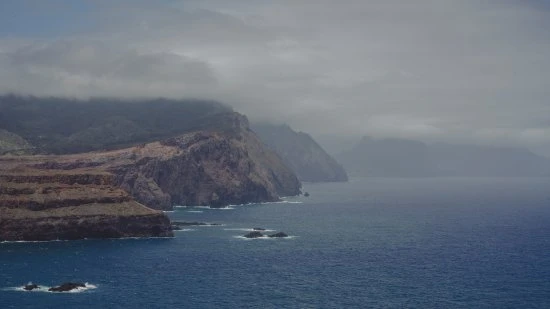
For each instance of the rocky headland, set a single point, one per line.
(101, 194)
(210, 168)
(184, 153)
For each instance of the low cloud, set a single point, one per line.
(463, 71)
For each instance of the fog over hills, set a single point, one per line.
(458, 71)
(408, 158)
(301, 152)
(63, 125)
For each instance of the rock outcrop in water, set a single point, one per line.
(76, 204)
(278, 235)
(67, 286)
(254, 234)
(30, 287)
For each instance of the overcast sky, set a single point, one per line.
(475, 71)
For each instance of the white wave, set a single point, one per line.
(249, 230)
(168, 211)
(56, 240)
(195, 211)
(207, 207)
(87, 287)
(277, 202)
(44, 289)
(288, 202)
(232, 206)
(246, 238)
(30, 241)
(265, 237)
(185, 230)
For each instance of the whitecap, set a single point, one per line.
(288, 202)
(265, 237)
(87, 286)
(57, 240)
(206, 207)
(30, 241)
(249, 230)
(185, 230)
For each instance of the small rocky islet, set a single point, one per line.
(31, 286)
(65, 287)
(258, 234)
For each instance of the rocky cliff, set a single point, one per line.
(167, 153)
(301, 153)
(215, 167)
(75, 204)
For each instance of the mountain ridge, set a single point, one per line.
(393, 157)
(301, 153)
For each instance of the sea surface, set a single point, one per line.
(369, 243)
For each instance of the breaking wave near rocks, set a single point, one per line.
(64, 288)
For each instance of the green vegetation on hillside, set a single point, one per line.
(61, 125)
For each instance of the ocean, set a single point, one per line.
(369, 243)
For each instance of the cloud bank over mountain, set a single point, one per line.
(457, 71)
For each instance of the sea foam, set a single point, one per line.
(44, 289)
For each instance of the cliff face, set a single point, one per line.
(228, 165)
(53, 204)
(301, 153)
(207, 155)
(204, 168)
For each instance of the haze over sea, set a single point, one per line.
(369, 243)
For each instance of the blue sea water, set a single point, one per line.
(369, 243)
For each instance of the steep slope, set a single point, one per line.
(13, 143)
(301, 153)
(216, 167)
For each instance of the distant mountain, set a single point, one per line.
(473, 160)
(408, 158)
(301, 153)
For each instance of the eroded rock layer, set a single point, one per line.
(75, 204)
(229, 165)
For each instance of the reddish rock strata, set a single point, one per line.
(48, 205)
